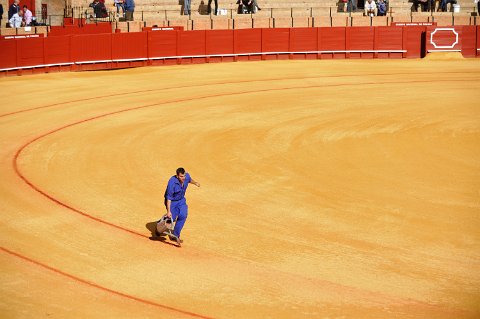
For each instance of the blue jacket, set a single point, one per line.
(129, 5)
(12, 10)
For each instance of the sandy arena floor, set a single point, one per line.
(329, 189)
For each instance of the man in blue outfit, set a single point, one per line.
(175, 201)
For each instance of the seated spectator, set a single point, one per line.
(349, 5)
(16, 21)
(210, 7)
(99, 9)
(27, 16)
(423, 4)
(119, 4)
(381, 8)
(370, 8)
(255, 6)
(444, 3)
(130, 8)
(245, 6)
(1, 14)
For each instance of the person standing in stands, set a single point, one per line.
(13, 9)
(186, 7)
(210, 7)
(27, 16)
(255, 5)
(129, 9)
(1, 14)
(119, 4)
(381, 8)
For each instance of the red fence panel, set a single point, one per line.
(191, 43)
(95, 28)
(8, 54)
(91, 47)
(303, 39)
(469, 41)
(478, 40)
(162, 44)
(414, 41)
(247, 41)
(444, 38)
(332, 39)
(57, 50)
(30, 52)
(62, 30)
(219, 42)
(275, 40)
(388, 39)
(129, 45)
(360, 39)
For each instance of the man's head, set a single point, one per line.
(16, 2)
(25, 7)
(20, 13)
(181, 174)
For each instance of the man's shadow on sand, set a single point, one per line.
(152, 228)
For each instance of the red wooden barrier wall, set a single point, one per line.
(332, 40)
(192, 44)
(478, 41)
(360, 39)
(247, 41)
(162, 44)
(57, 50)
(8, 54)
(469, 41)
(303, 39)
(30, 52)
(444, 39)
(390, 41)
(413, 41)
(219, 44)
(276, 40)
(104, 51)
(130, 46)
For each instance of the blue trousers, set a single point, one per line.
(179, 212)
(186, 7)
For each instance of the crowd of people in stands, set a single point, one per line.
(429, 5)
(244, 7)
(372, 8)
(247, 6)
(126, 6)
(17, 16)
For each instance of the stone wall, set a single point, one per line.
(5, 12)
(54, 9)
